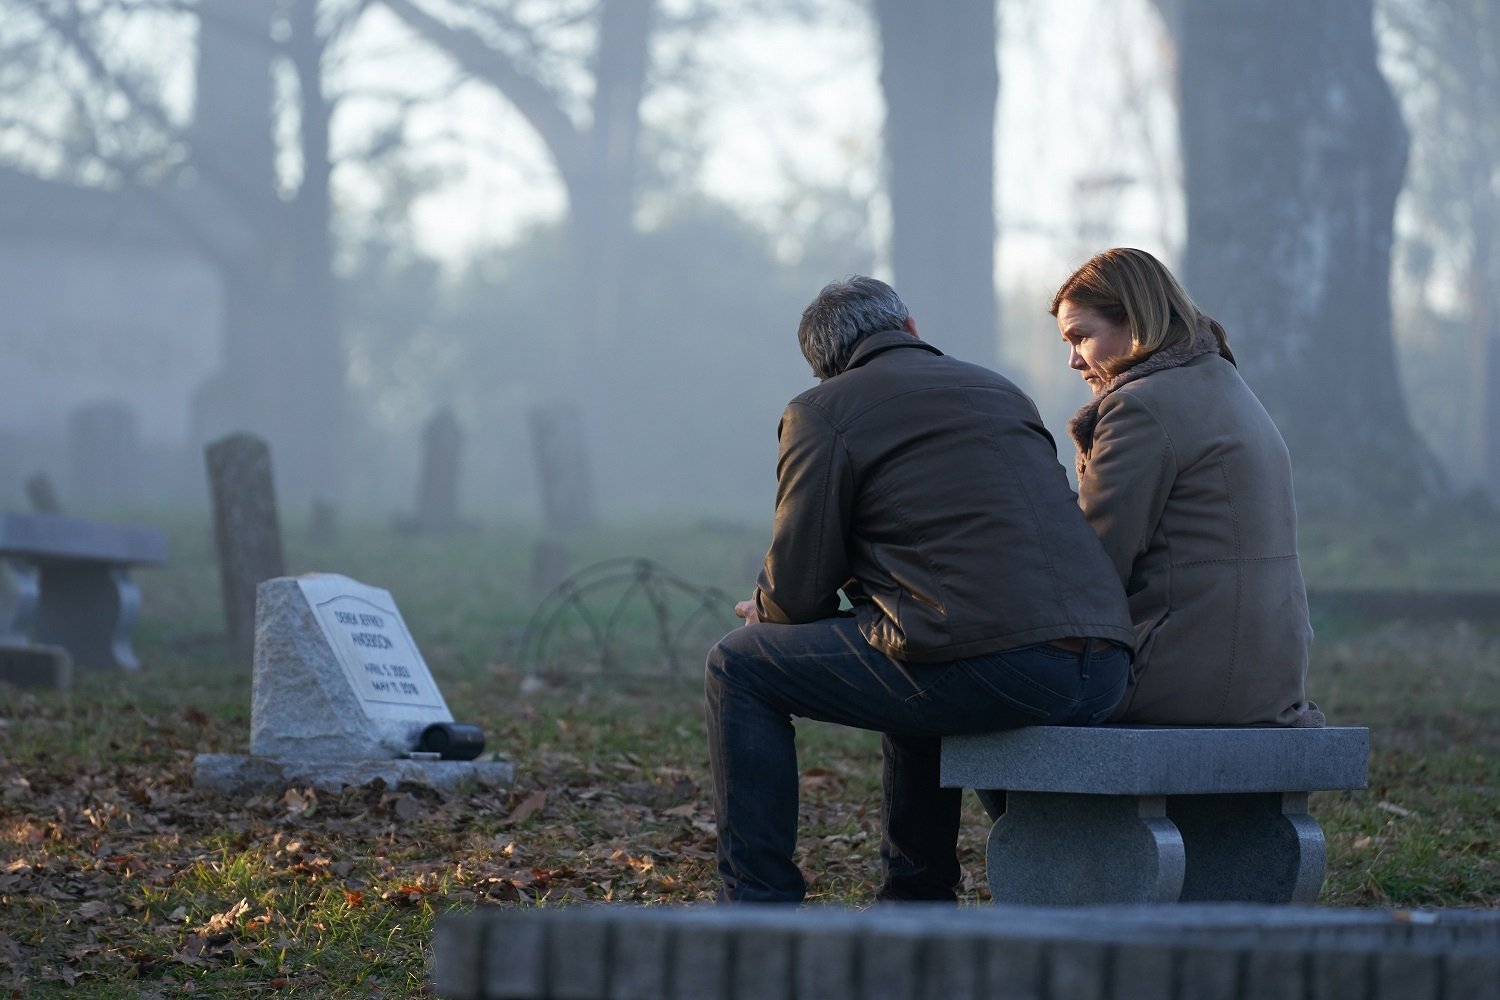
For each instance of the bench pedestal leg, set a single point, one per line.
(90, 611)
(1079, 849)
(1250, 848)
(20, 594)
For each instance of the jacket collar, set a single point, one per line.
(884, 340)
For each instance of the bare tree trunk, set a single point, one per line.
(234, 153)
(601, 190)
(941, 84)
(315, 354)
(284, 369)
(1484, 322)
(598, 163)
(1294, 153)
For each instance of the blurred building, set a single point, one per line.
(110, 323)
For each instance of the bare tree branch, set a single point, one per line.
(70, 30)
(537, 103)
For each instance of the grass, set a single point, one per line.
(118, 878)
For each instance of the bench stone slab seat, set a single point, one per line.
(1113, 814)
(72, 583)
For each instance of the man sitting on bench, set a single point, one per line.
(929, 492)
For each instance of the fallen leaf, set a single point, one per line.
(300, 803)
(94, 909)
(529, 807)
(408, 809)
(220, 922)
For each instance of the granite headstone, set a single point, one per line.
(437, 492)
(104, 455)
(337, 674)
(43, 496)
(340, 698)
(557, 440)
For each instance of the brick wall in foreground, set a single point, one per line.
(1173, 952)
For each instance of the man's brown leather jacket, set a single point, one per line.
(928, 490)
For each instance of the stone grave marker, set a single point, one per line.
(557, 443)
(247, 533)
(323, 523)
(340, 696)
(549, 565)
(437, 490)
(104, 455)
(41, 494)
(337, 675)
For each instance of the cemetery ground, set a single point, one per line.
(118, 878)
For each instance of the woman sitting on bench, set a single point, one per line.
(1188, 483)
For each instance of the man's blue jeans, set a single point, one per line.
(760, 676)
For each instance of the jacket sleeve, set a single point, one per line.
(808, 560)
(1127, 479)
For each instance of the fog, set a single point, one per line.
(590, 226)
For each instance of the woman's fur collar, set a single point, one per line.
(1081, 427)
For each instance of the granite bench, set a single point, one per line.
(1123, 814)
(72, 586)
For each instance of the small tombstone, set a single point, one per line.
(549, 565)
(341, 696)
(337, 675)
(246, 531)
(562, 467)
(322, 526)
(104, 455)
(42, 496)
(437, 490)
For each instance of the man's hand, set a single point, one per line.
(748, 611)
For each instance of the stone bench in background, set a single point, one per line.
(929, 952)
(72, 585)
(1115, 814)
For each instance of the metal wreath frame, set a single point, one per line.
(640, 576)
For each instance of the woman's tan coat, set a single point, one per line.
(1188, 483)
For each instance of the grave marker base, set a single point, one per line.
(245, 774)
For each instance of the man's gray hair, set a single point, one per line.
(843, 314)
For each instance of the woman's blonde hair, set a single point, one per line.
(1130, 286)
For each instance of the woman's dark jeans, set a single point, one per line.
(760, 676)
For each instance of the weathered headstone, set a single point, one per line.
(104, 455)
(341, 695)
(41, 494)
(557, 443)
(247, 533)
(437, 490)
(322, 525)
(549, 565)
